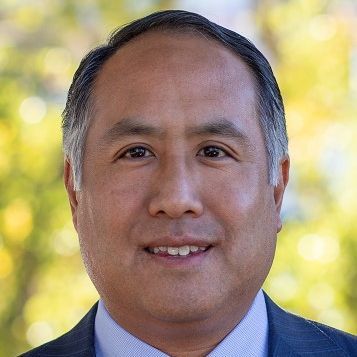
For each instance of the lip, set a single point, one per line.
(188, 262)
(191, 261)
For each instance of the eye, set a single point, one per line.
(136, 152)
(212, 152)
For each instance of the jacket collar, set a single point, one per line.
(292, 336)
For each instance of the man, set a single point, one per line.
(176, 166)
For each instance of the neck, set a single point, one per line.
(189, 338)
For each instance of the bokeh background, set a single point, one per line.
(312, 45)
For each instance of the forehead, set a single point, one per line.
(198, 49)
(151, 60)
(174, 81)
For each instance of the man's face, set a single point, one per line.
(176, 219)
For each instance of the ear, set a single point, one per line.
(72, 194)
(279, 189)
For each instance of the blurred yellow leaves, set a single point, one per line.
(43, 312)
(57, 61)
(322, 27)
(33, 109)
(56, 64)
(6, 263)
(321, 296)
(17, 221)
(283, 286)
(28, 17)
(314, 247)
(315, 44)
(41, 43)
(333, 317)
(65, 242)
(39, 332)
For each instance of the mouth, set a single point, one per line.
(183, 251)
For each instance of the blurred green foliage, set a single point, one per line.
(313, 48)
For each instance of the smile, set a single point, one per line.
(181, 251)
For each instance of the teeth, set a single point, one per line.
(185, 250)
(182, 251)
(172, 250)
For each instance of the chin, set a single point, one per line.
(184, 306)
(182, 313)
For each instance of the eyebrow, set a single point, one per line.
(135, 126)
(129, 127)
(222, 127)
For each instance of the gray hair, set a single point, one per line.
(77, 113)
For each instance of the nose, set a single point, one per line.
(175, 193)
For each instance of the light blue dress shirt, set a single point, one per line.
(249, 338)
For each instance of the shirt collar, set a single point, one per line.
(248, 338)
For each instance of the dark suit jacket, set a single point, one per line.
(289, 336)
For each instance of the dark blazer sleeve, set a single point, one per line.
(78, 342)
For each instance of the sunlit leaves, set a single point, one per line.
(314, 272)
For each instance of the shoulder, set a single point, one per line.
(302, 336)
(340, 338)
(77, 342)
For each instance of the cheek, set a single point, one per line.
(118, 197)
(246, 210)
(236, 195)
(108, 211)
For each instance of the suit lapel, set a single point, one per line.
(81, 337)
(292, 336)
(79, 341)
